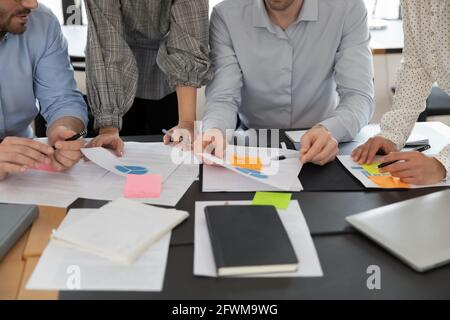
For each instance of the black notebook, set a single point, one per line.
(249, 240)
(14, 221)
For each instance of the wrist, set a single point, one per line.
(441, 170)
(109, 130)
(320, 126)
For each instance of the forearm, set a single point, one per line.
(187, 102)
(184, 54)
(414, 86)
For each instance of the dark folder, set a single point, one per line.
(249, 240)
(14, 221)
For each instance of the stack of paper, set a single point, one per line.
(85, 251)
(121, 231)
(296, 228)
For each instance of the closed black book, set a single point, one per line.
(14, 221)
(249, 240)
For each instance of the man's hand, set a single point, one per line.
(108, 138)
(18, 154)
(414, 168)
(211, 142)
(366, 152)
(182, 133)
(318, 146)
(67, 153)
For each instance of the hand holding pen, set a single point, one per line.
(413, 167)
(417, 149)
(67, 146)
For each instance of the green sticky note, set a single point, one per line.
(278, 200)
(372, 168)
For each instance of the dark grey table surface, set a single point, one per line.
(345, 255)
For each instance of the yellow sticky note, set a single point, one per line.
(389, 182)
(372, 168)
(276, 199)
(245, 162)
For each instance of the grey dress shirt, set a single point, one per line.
(319, 70)
(143, 48)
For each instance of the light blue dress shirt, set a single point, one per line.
(319, 70)
(35, 70)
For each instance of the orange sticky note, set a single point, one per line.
(143, 186)
(389, 182)
(45, 167)
(251, 163)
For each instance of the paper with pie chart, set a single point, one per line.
(126, 166)
(371, 177)
(259, 165)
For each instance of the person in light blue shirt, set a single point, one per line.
(36, 75)
(291, 64)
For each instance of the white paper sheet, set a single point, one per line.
(281, 175)
(49, 189)
(296, 228)
(373, 129)
(110, 187)
(358, 172)
(138, 225)
(60, 264)
(219, 179)
(139, 158)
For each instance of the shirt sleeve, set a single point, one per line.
(111, 69)
(54, 84)
(223, 93)
(413, 87)
(354, 77)
(184, 54)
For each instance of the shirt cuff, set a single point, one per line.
(108, 120)
(82, 116)
(334, 126)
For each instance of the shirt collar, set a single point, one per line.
(309, 12)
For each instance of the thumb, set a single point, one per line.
(306, 142)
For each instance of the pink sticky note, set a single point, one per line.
(143, 186)
(45, 167)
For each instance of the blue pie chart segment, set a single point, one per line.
(253, 173)
(132, 170)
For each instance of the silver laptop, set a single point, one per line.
(417, 230)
